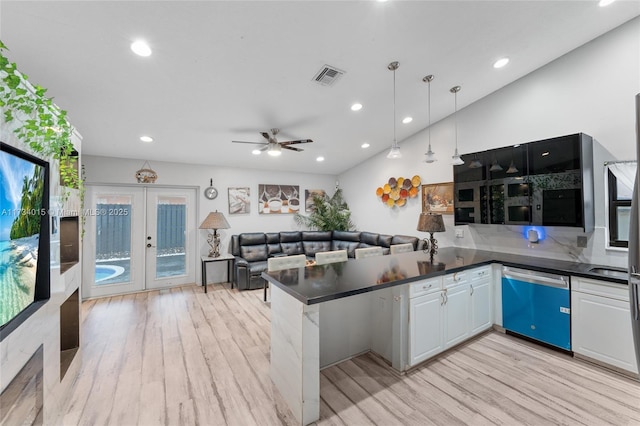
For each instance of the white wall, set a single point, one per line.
(590, 90)
(121, 171)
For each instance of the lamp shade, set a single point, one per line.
(430, 222)
(215, 220)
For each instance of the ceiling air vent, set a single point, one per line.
(328, 75)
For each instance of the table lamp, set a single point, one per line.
(215, 220)
(430, 222)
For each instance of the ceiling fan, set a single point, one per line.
(272, 146)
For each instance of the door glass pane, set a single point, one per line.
(113, 239)
(171, 236)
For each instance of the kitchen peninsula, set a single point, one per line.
(324, 314)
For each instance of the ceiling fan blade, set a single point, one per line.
(296, 142)
(266, 135)
(266, 147)
(292, 148)
(253, 143)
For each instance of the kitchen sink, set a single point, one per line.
(611, 272)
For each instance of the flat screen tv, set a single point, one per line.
(24, 236)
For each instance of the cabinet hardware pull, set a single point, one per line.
(471, 289)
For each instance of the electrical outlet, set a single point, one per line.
(459, 233)
(582, 241)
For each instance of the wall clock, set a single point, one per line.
(210, 192)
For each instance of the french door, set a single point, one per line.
(138, 238)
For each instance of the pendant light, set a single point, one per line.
(431, 156)
(475, 164)
(512, 167)
(394, 153)
(495, 167)
(456, 160)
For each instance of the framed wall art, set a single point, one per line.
(278, 199)
(239, 200)
(309, 206)
(438, 197)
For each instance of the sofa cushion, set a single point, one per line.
(273, 244)
(369, 238)
(313, 247)
(349, 246)
(292, 248)
(290, 236)
(254, 252)
(316, 235)
(256, 268)
(385, 240)
(346, 236)
(252, 238)
(402, 239)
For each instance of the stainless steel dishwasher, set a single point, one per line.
(537, 305)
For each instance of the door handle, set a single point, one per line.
(634, 282)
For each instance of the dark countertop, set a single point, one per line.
(320, 283)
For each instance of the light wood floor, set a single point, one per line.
(182, 357)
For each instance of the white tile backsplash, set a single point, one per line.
(557, 243)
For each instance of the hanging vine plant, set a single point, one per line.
(40, 124)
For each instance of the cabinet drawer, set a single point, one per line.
(478, 274)
(600, 288)
(421, 288)
(456, 278)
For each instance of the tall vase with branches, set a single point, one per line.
(329, 214)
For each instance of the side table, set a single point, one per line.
(229, 258)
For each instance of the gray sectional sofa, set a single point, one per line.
(252, 250)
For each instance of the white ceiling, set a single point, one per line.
(225, 70)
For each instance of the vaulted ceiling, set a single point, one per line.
(227, 70)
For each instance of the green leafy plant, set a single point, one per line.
(329, 214)
(40, 124)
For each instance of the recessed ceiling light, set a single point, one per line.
(407, 120)
(146, 138)
(141, 48)
(603, 3)
(365, 145)
(320, 159)
(256, 152)
(356, 107)
(501, 62)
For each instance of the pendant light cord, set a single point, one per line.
(455, 116)
(429, 114)
(395, 144)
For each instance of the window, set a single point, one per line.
(620, 178)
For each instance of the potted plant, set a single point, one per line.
(329, 214)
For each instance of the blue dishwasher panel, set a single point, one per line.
(537, 311)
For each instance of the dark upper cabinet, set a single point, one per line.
(547, 183)
(557, 155)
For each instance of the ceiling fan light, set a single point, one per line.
(274, 150)
(256, 152)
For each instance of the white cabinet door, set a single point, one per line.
(480, 296)
(456, 315)
(601, 330)
(425, 324)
